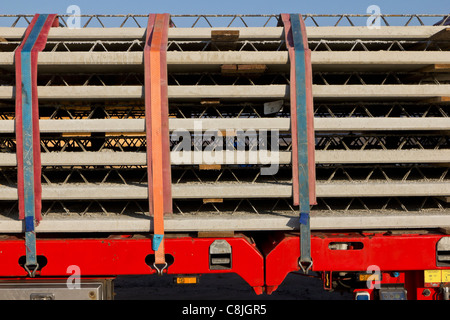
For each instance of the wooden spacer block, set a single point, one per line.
(209, 102)
(212, 201)
(224, 35)
(437, 100)
(75, 134)
(225, 39)
(243, 69)
(228, 133)
(252, 68)
(436, 68)
(229, 68)
(209, 167)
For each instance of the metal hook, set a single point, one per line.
(305, 265)
(32, 273)
(160, 271)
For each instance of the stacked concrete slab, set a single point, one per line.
(381, 101)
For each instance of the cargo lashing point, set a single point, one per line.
(305, 265)
(31, 269)
(160, 268)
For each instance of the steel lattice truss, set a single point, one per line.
(238, 20)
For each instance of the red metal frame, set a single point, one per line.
(408, 254)
(417, 289)
(125, 256)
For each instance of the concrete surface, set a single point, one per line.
(235, 190)
(335, 220)
(326, 60)
(238, 92)
(230, 157)
(214, 124)
(383, 33)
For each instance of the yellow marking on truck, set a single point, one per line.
(433, 276)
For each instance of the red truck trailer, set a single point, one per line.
(251, 144)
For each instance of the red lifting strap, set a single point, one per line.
(27, 115)
(157, 128)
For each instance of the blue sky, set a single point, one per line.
(224, 6)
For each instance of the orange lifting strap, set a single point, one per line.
(157, 131)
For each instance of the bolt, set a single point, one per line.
(426, 292)
(92, 295)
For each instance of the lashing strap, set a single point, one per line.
(157, 131)
(27, 131)
(305, 73)
(302, 121)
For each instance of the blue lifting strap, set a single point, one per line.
(302, 140)
(27, 137)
